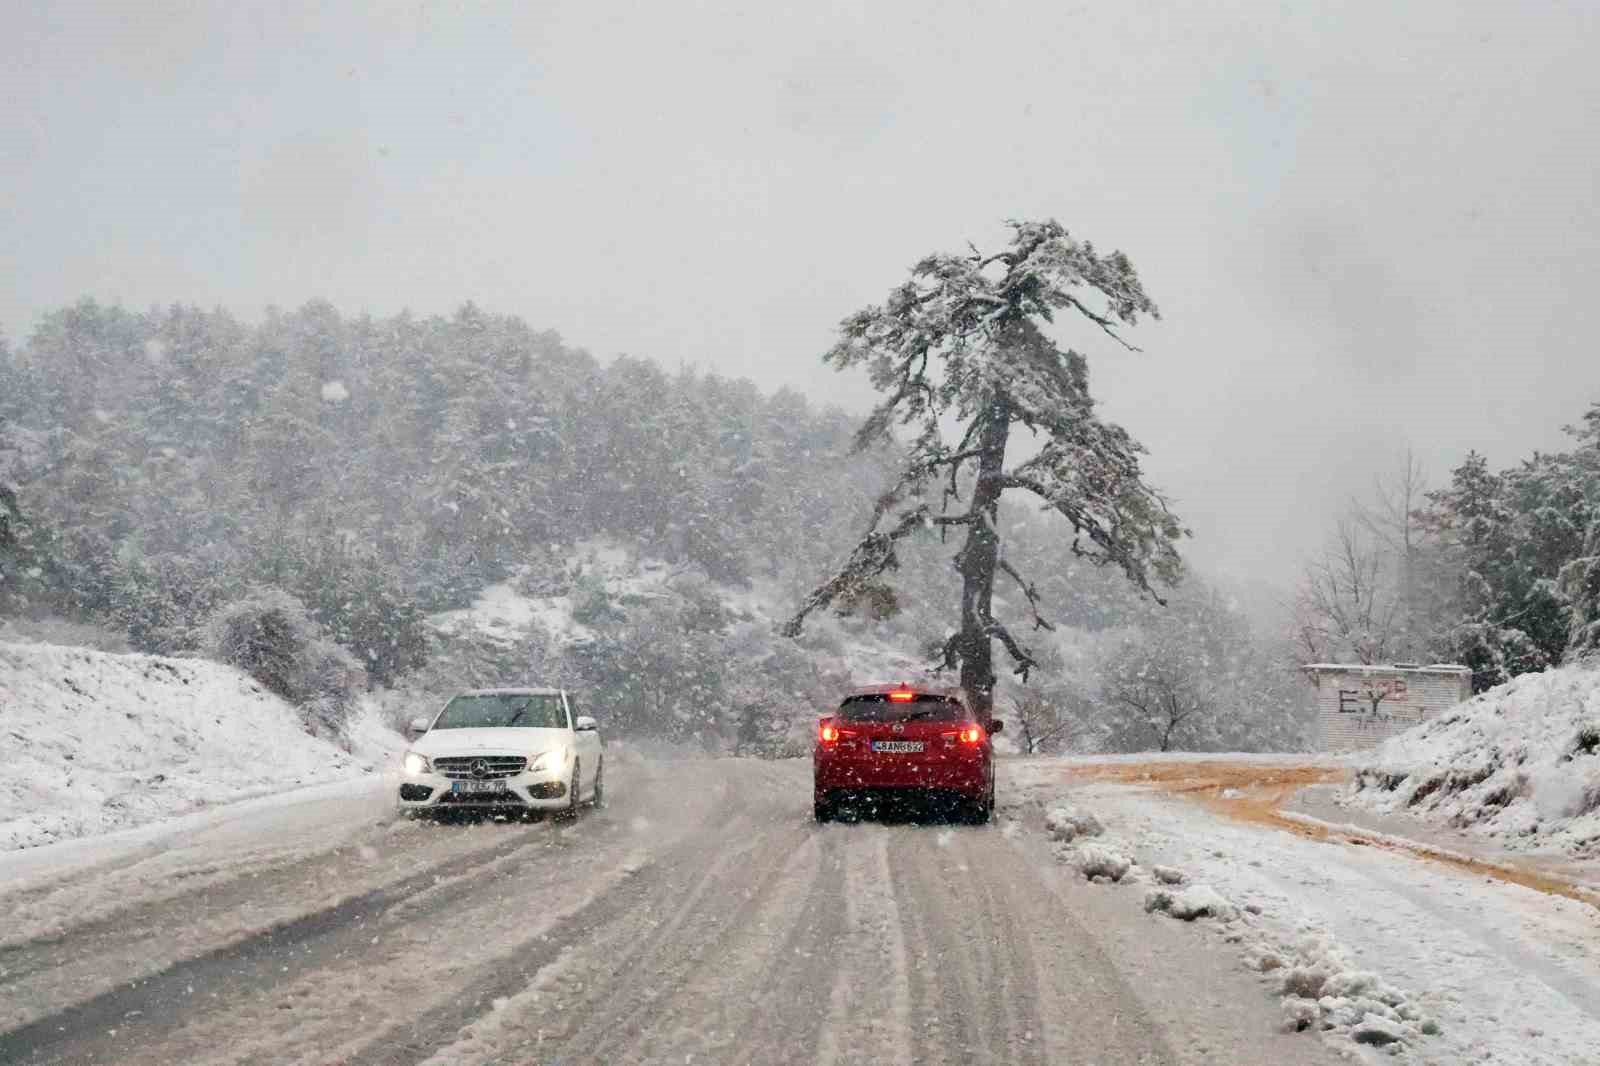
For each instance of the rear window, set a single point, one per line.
(922, 707)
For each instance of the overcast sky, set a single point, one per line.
(1368, 226)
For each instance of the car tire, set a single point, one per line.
(978, 811)
(822, 811)
(572, 790)
(597, 797)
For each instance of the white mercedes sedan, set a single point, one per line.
(503, 750)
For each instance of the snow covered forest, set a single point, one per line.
(1498, 571)
(301, 495)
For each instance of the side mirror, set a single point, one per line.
(995, 725)
(586, 724)
(418, 726)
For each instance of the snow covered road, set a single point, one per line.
(713, 923)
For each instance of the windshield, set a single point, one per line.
(502, 711)
(922, 707)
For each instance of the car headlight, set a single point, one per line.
(416, 763)
(550, 760)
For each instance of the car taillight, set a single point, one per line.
(969, 735)
(828, 733)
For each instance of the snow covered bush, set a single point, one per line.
(269, 636)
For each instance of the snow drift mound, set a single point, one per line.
(91, 741)
(1520, 762)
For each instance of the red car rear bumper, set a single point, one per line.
(966, 773)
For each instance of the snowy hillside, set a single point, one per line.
(513, 610)
(1520, 762)
(93, 741)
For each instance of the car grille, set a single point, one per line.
(481, 799)
(493, 766)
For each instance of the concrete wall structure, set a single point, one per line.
(1361, 706)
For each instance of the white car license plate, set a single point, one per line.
(897, 745)
(477, 786)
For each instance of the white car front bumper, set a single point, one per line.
(537, 790)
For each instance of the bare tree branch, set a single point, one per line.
(1039, 622)
(1105, 324)
(873, 555)
(1110, 545)
(1023, 658)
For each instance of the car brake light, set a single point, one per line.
(828, 733)
(902, 697)
(971, 736)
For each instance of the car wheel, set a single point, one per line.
(977, 811)
(598, 799)
(572, 792)
(822, 810)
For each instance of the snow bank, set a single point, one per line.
(92, 741)
(1520, 763)
(1229, 876)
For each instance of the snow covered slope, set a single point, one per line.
(91, 741)
(1520, 763)
(508, 612)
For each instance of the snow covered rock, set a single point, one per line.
(1167, 875)
(1068, 823)
(1300, 1014)
(1196, 901)
(1097, 860)
(1361, 984)
(1304, 981)
(1320, 989)
(1378, 1030)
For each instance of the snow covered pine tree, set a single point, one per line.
(978, 318)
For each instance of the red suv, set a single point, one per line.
(901, 742)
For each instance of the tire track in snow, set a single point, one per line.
(600, 983)
(617, 1024)
(620, 919)
(781, 1020)
(144, 1009)
(1013, 995)
(869, 1005)
(147, 942)
(155, 1005)
(942, 1030)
